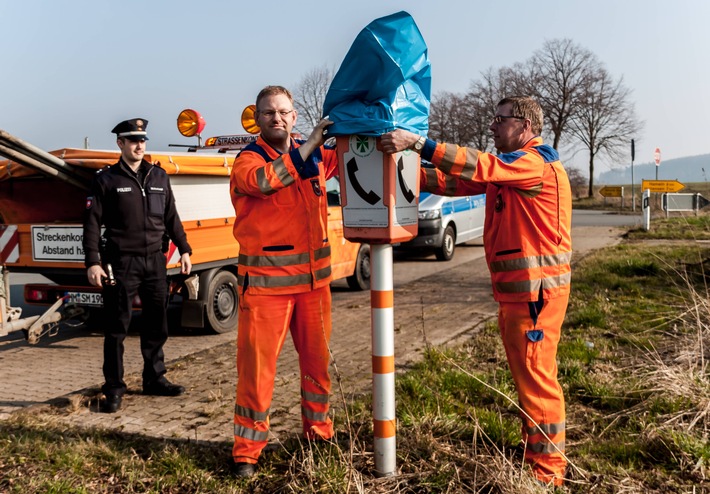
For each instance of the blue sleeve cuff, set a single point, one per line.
(428, 150)
(296, 159)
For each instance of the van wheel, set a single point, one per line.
(360, 279)
(448, 244)
(221, 302)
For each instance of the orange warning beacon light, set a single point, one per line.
(190, 123)
(249, 120)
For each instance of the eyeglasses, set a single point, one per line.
(272, 113)
(500, 118)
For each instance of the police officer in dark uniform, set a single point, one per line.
(135, 203)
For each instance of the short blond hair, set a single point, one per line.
(526, 107)
(272, 91)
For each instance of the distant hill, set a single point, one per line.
(688, 169)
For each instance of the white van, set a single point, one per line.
(445, 222)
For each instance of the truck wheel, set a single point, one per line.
(448, 244)
(221, 302)
(360, 279)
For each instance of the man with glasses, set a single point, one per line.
(135, 203)
(528, 249)
(278, 192)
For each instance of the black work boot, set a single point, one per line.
(242, 469)
(111, 403)
(162, 387)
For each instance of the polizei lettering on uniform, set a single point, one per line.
(123, 189)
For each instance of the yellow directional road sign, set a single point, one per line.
(662, 185)
(608, 191)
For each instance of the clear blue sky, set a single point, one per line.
(73, 69)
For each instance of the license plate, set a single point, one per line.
(83, 298)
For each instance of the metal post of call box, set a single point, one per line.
(380, 198)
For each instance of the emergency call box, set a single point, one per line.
(379, 191)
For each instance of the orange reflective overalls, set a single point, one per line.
(284, 283)
(528, 249)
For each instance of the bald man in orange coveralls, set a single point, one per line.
(528, 249)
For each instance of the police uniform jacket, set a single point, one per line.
(136, 209)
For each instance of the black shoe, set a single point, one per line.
(163, 387)
(242, 469)
(111, 404)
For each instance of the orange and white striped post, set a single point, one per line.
(382, 318)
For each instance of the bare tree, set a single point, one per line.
(309, 95)
(557, 75)
(605, 121)
(451, 119)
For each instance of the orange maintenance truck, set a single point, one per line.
(42, 201)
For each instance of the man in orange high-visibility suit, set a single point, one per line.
(278, 192)
(528, 249)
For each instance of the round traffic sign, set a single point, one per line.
(657, 156)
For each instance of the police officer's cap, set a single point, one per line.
(132, 129)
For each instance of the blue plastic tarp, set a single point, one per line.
(384, 81)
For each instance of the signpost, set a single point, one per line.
(613, 191)
(657, 159)
(661, 185)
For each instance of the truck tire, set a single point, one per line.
(360, 279)
(221, 302)
(448, 244)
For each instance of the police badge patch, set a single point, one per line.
(316, 187)
(89, 202)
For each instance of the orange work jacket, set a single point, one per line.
(281, 220)
(526, 234)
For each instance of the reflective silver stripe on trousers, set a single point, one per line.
(314, 416)
(533, 285)
(281, 172)
(546, 447)
(314, 397)
(251, 434)
(250, 414)
(546, 428)
(531, 262)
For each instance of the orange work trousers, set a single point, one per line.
(531, 333)
(264, 321)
